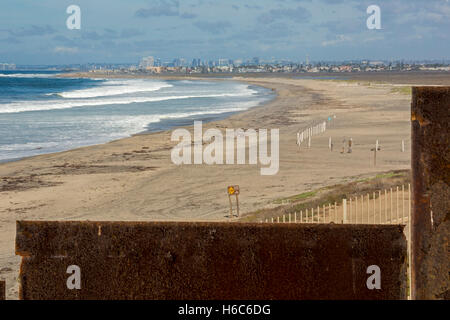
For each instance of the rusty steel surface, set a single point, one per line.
(209, 260)
(430, 115)
(2, 290)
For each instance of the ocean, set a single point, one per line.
(42, 113)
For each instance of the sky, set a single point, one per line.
(117, 31)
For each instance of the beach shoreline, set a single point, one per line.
(133, 179)
(205, 118)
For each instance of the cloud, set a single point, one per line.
(11, 40)
(65, 50)
(274, 31)
(63, 39)
(298, 14)
(33, 31)
(213, 27)
(163, 8)
(248, 6)
(187, 15)
(109, 34)
(131, 32)
(91, 35)
(339, 39)
(344, 26)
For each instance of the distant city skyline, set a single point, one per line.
(35, 32)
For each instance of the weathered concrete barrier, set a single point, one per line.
(181, 260)
(2, 290)
(430, 115)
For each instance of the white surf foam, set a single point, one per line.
(25, 106)
(116, 87)
(26, 75)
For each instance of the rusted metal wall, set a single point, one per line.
(181, 260)
(431, 194)
(2, 290)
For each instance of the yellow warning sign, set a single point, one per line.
(233, 190)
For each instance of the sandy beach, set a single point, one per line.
(134, 179)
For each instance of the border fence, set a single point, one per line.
(388, 206)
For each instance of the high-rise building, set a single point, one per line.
(7, 66)
(147, 62)
(196, 62)
(223, 62)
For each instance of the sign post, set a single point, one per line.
(233, 190)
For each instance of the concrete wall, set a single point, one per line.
(430, 116)
(180, 260)
(2, 290)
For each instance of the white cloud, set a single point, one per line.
(65, 50)
(339, 39)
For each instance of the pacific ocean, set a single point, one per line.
(43, 113)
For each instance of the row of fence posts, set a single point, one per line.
(307, 134)
(368, 209)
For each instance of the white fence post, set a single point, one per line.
(396, 203)
(335, 213)
(385, 206)
(362, 208)
(351, 210)
(392, 207)
(344, 210)
(368, 207)
(403, 203)
(379, 201)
